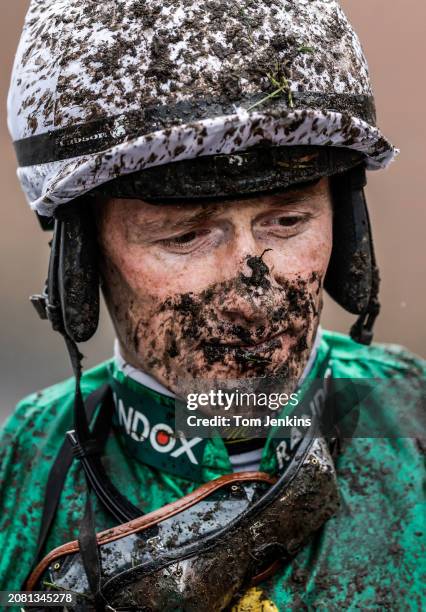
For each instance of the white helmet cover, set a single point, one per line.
(102, 89)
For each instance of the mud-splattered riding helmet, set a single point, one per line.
(180, 99)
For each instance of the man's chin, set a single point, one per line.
(279, 361)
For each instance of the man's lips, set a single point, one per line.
(261, 346)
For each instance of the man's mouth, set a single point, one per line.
(262, 346)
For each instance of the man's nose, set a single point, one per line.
(247, 301)
(241, 255)
(243, 309)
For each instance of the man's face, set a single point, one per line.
(217, 291)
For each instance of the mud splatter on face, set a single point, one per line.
(217, 292)
(248, 327)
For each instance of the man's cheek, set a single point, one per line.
(310, 255)
(159, 340)
(132, 311)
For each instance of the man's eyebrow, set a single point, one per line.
(290, 198)
(204, 212)
(180, 220)
(182, 217)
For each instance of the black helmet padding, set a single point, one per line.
(352, 265)
(71, 297)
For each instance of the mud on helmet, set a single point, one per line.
(211, 102)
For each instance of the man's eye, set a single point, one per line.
(189, 237)
(284, 225)
(186, 240)
(288, 221)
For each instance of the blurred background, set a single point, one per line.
(32, 356)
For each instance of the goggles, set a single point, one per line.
(203, 549)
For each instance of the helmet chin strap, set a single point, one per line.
(362, 330)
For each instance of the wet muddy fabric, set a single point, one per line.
(369, 556)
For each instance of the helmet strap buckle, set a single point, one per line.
(40, 304)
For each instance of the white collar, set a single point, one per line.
(139, 376)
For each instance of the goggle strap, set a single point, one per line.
(89, 552)
(58, 473)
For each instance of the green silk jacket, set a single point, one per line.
(369, 557)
